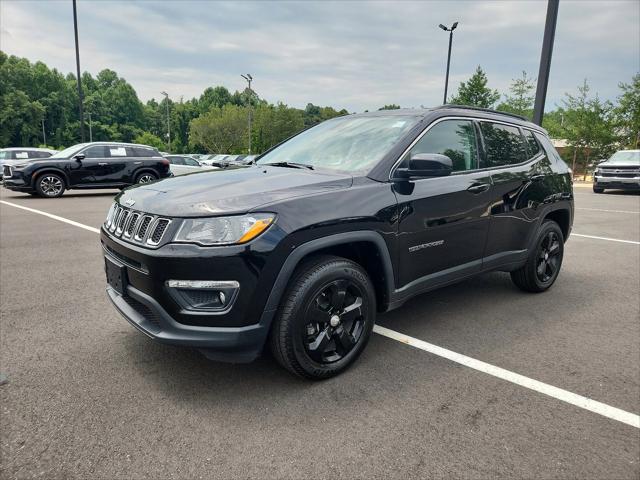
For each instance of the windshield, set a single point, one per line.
(68, 152)
(351, 144)
(4, 155)
(626, 156)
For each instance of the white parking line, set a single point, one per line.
(55, 217)
(632, 242)
(555, 392)
(608, 211)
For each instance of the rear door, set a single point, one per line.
(517, 172)
(443, 220)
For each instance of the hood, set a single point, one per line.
(618, 164)
(217, 192)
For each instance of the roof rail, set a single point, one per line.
(480, 109)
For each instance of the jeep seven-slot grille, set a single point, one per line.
(136, 227)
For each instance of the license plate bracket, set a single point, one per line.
(116, 275)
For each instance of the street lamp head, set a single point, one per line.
(443, 27)
(165, 94)
(453, 27)
(250, 77)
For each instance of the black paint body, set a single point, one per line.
(103, 171)
(411, 236)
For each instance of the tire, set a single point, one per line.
(598, 189)
(50, 185)
(309, 337)
(146, 177)
(544, 261)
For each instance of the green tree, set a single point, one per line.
(475, 93)
(274, 123)
(146, 138)
(589, 126)
(627, 113)
(521, 97)
(221, 130)
(393, 106)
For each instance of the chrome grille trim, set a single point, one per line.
(136, 227)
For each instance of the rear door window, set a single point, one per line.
(142, 152)
(117, 151)
(504, 144)
(21, 155)
(191, 162)
(177, 160)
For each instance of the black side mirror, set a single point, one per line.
(79, 157)
(422, 165)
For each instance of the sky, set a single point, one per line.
(357, 55)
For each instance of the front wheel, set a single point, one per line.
(544, 261)
(50, 185)
(598, 189)
(325, 319)
(146, 177)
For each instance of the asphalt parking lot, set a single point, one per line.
(89, 397)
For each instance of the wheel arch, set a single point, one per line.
(367, 248)
(562, 216)
(38, 173)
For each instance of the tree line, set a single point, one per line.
(39, 106)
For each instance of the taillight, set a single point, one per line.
(165, 161)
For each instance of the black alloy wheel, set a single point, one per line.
(146, 178)
(548, 257)
(335, 322)
(325, 318)
(544, 261)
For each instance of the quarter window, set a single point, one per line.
(503, 144)
(191, 162)
(454, 138)
(533, 146)
(142, 152)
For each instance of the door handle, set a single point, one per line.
(537, 177)
(137, 163)
(478, 187)
(102, 164)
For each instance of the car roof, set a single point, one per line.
(457, 110)
(124, 144)
(13, 149)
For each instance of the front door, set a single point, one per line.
(444, 220)
(91, 169)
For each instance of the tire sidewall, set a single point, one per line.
(310, 290)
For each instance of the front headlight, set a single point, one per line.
(224, 230)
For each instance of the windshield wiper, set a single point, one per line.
(290, 165)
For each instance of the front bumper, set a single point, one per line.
(238, 345)
(621, 183)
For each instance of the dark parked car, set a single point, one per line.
(87, 166)
(620, 172)
(349, 218)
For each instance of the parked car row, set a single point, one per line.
(86, 166)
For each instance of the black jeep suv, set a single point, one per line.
(87, 165)
(349, 218)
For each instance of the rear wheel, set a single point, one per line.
(597, 189)
(50, 185)
(544, 261)
(146, 177)
(325, 319)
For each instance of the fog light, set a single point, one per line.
(204, 295)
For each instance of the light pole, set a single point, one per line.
(75, 28)
(44, 135)
(249, 78)
(446, 81)
(545, 60)
(90, 133)
(166, 97)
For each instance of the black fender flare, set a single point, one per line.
(543, 215)
(36, 174)
(302, 251)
